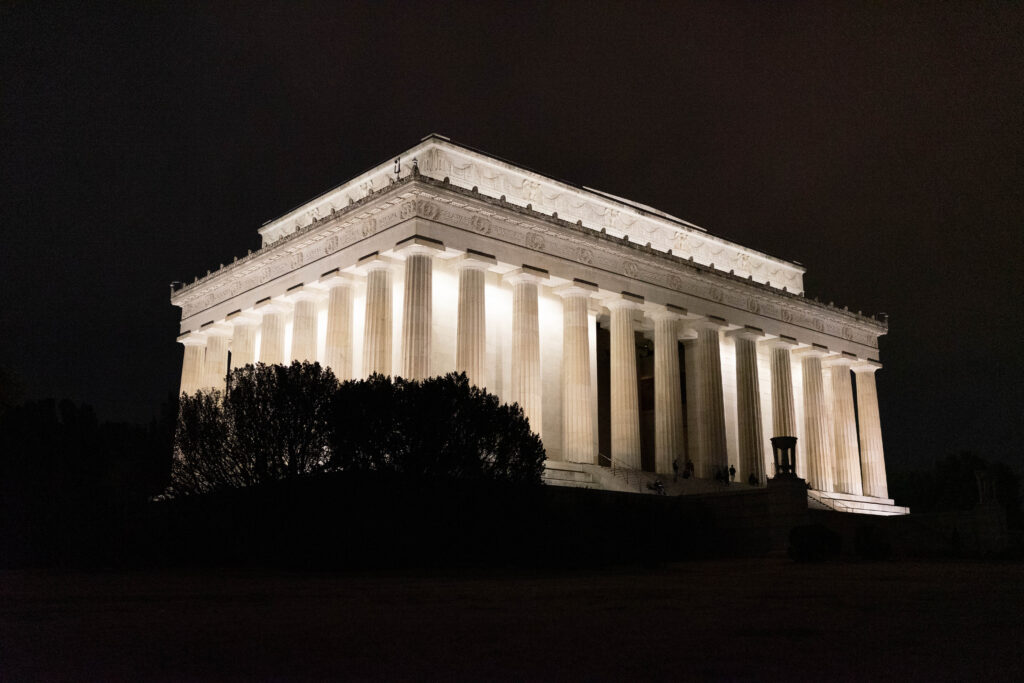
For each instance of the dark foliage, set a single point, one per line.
(440, 427)
(279, 422)
(67, 480)
(272, 423)
(953, 484)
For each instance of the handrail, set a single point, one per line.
(619, 469)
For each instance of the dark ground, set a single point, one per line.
(741, 619)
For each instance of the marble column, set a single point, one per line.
(625, 404)
(691, 372)
(817, 426)
(669, 438)
(847, 477)
(783, 410)
(377, 330)
(577, 417)
(417, 307)
(272, 331)
(525, 385)
(338, 347)
(192, 362)
(711, 410)
(471, 327)
(748, 405)
(215, 361)
(304, 325)
(243, 339)
(872, 457)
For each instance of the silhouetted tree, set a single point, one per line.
(438, 427)
(272, 423)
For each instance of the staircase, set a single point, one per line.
(858, 505)
(567, 474)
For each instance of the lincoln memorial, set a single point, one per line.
(631, 339)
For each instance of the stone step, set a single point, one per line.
(860, 505)
(564, 475)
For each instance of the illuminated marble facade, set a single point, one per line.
(460, 261)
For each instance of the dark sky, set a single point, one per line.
(881, 145)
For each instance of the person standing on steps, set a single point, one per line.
(732, 472)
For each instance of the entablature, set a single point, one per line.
(599, 254)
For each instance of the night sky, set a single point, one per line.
(881, 146)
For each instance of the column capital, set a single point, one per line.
(417, 244)
(303, 293)
(747, 332)
(192, 338)
(708, 322)
(866, 366)
(527, 274)
(780, 342)
(240, 317)
(372, 262)
(217, 329)
(844, 358)
(268, 305)
(813, 351)
(475, 260)
(577, 288)
(624, 300)
(331, 279)
(665, 312)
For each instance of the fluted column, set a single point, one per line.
(304, 324)
(847, 477)
(577, 417)
(711, 410)
(338, 347)
(417, 307)
(215, 361)
(625, 405)
(748, 405)
(192, 362)
(243, 339)
(272, 331)
(526, 387)
(669, 438)
(471, 329)
(872, 457)
(818, 432)
(377, 330)
(783, 410)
